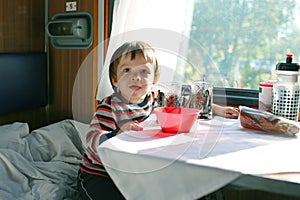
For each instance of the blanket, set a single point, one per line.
(42, 164)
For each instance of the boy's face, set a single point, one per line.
(134, 78)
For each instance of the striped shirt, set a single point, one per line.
(110, 115)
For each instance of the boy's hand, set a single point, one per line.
(226, 111)
(130, 126)
(231, 112)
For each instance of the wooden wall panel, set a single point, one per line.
(22, 30)
(65, 64)
(35, 118)
(22, 26)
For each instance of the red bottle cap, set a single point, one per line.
(267, 84)
(289, 55)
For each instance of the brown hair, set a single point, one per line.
(133, 48)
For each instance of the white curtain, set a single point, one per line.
(164, 24)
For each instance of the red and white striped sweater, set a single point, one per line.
(111, 113)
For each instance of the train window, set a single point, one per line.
(246, 38)
(242, 39)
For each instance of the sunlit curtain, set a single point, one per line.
(163, 24)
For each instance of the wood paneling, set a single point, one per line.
(64, 66)
(35, 117)
(22, 25)
(22, 30)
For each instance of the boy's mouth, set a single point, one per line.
(134, 87)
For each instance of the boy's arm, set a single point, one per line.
(225, 111)
(102, 127)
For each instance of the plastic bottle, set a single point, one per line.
(285, 94)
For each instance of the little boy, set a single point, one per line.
(133, 71)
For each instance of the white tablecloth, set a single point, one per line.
(153, 165)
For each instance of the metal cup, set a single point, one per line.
(202, 98)
(169, 94)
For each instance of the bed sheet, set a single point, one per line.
(42, 164)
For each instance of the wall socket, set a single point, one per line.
(71, 6)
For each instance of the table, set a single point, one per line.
(150, 164)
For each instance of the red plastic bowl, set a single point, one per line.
(176, 120)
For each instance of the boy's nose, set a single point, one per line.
(136, 76)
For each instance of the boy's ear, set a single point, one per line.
(114, 81)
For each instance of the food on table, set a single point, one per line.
(261, 120)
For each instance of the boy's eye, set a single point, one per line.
(144, 71)
(126, 70)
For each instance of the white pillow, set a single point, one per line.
(11, 135)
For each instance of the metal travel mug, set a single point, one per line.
(202, 98)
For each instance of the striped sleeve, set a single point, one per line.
(103, 126)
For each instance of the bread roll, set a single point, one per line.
(267, 122)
